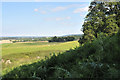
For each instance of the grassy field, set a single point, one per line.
(16, 54)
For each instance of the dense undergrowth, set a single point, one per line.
(99, 59)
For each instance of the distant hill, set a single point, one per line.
(73, 35)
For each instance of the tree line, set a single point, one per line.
(61, 39)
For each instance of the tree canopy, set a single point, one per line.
(103, 17)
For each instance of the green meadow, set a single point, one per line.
(17, 54)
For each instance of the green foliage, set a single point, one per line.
(102, 17)
(111, 26)
(99, 59)
(62, 39)
(14, 41)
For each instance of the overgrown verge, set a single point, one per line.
(99, 59)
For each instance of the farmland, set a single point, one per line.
(16, 54)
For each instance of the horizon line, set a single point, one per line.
(39, 36)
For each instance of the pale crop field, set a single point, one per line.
(16, 54)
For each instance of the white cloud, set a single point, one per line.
(76, 5)
(79, 10)
(68, 17)
(83, 15)
(43, 12)
(68, 24)
(63, 18)
(38, 0)
(35, 10)
(59, 19)
(48, 19)
(39, 10)
(59, 9)
(53, 0)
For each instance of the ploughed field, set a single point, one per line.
(17, 54)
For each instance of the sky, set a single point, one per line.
(43, 18)
(46, 0)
